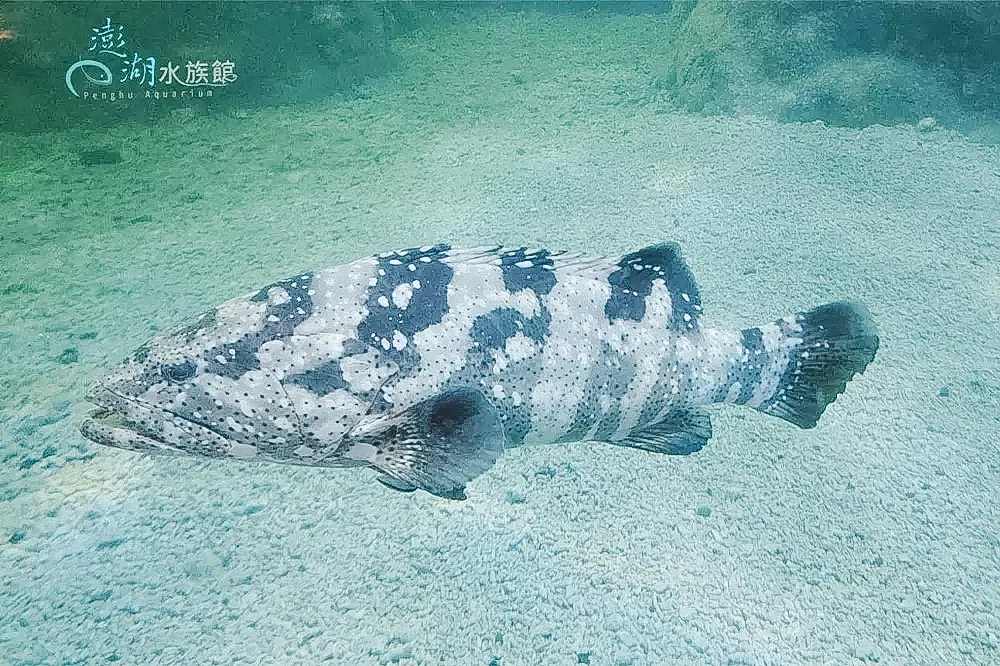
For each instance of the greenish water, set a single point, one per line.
(799, 154)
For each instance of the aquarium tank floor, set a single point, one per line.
(870, 539)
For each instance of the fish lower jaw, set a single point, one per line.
(110, 428)
(120, 422)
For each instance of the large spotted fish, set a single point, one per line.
(427, 363)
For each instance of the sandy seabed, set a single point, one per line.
(872, 538)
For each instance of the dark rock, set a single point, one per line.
(69, 355)
(111, 543)
(102, 155)
(18, 288)
(515, 497)
(546, 471)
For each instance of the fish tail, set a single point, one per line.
(794, 367)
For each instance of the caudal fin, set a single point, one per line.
(800, 364)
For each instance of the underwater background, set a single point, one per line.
(800, 152)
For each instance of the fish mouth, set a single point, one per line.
(123, 422)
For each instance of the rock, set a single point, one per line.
(101, 155)
(515, 497)
(68, 355)
(866, 651)
(926, 124)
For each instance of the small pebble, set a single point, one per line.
(17, 537)
(944, 392)
(583, 657)
(926, 124)
(515, 497)
(396, 656)
(866, 651)
(703, 511)
(102, 155)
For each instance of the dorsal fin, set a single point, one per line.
(631, 276)
(633, 281)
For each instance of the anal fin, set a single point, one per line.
(396, 484)
(683, 431)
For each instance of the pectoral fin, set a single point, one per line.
(438, 445)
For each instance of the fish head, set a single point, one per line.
(201, 389)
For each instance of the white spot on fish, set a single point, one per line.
(277, 296)
(398, 340)
(385, 344)
(395, 262)
(515, 396)
(498, 391)
(361, 451)
(383, 301)
(303, 451)
(371, 283)
(401, 296)
(416, 284)
(240, 450)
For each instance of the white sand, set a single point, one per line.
(872, 537)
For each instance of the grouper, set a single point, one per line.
(427, 363)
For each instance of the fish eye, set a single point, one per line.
(179, 372)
